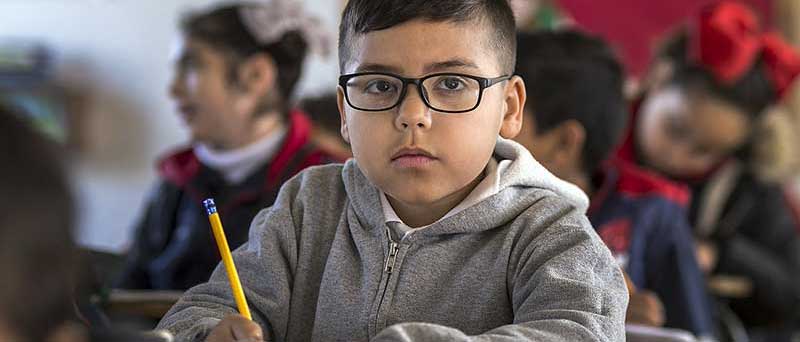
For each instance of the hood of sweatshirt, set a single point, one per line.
(524, 182)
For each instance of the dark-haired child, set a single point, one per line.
(439, 229)
(698, 126)
(39, 258)
(235, 74)
(323, 111)
(574, 119)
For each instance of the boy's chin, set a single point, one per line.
(415, 200)
(424, 197)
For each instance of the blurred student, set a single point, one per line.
(324, 113)
(697, 125)
(574, 119)
(37, 253)
(235, 73)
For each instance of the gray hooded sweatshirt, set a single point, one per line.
(321, 265)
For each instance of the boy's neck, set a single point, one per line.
(421, 215)
(581, 180)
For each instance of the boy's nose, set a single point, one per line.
(413, 111)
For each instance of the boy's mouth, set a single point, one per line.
(412, 158)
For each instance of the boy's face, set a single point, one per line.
(414, 154)
(541, 146)
(550, 148)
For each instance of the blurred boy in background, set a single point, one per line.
(574, 119)
(323, 111)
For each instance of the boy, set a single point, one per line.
(573, 121)
(438, 229)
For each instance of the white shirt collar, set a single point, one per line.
(236, 165)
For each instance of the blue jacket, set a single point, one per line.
(642, 219)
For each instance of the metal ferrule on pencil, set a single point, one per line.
(211, 208)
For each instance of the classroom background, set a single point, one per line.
(93, 75)
(102, 68)
(106, 72)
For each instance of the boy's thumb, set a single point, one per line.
(246, 330)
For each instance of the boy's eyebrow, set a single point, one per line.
(453, 63)
(430, 68)
(375, 67)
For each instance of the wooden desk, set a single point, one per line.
(150, 304)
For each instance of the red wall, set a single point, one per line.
(634, 27)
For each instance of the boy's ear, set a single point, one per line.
(515, 96)
(340, 102)
(571, 138)
(257, 75)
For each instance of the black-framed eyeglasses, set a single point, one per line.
(442, 92)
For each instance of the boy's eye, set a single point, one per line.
(451, 83)
(379, 86)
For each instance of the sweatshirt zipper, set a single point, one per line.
(392, 257)
(388, 267)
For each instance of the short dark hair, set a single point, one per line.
(365, 16)
(36, 247)
(573, 76)
(222, 28)
(752, 92)
(323, 111)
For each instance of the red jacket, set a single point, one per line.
(174, 247)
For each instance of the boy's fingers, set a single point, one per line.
(654, 308)
(236, 328)
(645, 308)
(245, 330)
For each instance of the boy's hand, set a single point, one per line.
(236, 328)
(707, 254)
(645, 309)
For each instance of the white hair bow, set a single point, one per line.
(269, 20)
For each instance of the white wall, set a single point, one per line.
(115, 53)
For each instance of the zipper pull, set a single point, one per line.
(393, 248)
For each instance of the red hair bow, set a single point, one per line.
(728, 40)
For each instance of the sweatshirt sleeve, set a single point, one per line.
(564, 286)
(265, 264)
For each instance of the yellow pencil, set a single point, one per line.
(227, 259)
